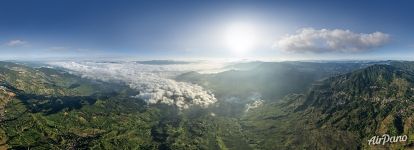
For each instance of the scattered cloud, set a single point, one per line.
(336, 40)
(154, 82)
(57, 48)
(83, 50)
(15, 43)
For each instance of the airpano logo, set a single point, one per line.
(375, 140)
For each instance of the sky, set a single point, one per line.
(232, 29)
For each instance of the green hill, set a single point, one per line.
(302, 106)
(344, 111)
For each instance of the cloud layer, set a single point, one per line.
(337, 40)
(152, 81)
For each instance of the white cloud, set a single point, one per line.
(153, 82)
(57, 48)
(254, 104)
(83, 50)
(15, 43)
(337, 40)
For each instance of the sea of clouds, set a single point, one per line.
(155, 83)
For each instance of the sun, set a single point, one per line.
(240, 37)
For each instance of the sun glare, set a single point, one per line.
(240, 37)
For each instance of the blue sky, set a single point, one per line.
(281, 30)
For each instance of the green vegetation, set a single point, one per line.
(343, 108)
(52, 109)
(342, 112)
(302, 106)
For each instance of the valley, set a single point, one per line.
(272, 105)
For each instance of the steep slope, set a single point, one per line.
(345, 111)
(374, 101)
